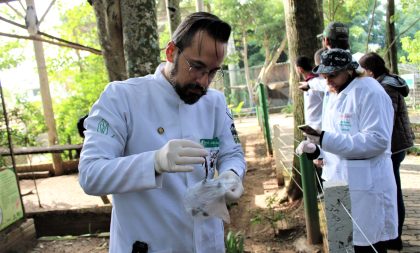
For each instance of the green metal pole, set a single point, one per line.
(309, 198)
(266, 123)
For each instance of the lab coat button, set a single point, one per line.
(161, 130)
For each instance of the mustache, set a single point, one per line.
(194, 86)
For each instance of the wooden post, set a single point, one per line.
(339, 223)
(313, 231)
(46, 97)
(277, 155)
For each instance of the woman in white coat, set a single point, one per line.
(356, 133)
(142, 145)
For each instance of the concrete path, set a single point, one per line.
(410, 181)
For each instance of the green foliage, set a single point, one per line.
(81, 75)
(412, 47)
(234, 242)
(164, 38)
(26, 122)
(259, 20)
(236, 110)
(11, 53)
(415, 150)
(287, 109)
(272, 216)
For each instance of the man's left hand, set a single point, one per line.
(234, 183)
(313, 138)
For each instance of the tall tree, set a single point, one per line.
(242, 16)
(108, 18)
(83, 76)
(174, 14)
(301, 31)
(392, 54)
(128, 35)
(271, 30)
(141, 43)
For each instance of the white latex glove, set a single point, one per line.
(234, 184)
(305, 147)
(179, 156)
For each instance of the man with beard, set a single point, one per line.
(147, 138)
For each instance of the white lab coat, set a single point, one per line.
(118, 158)
(358, 125)
(312, 102)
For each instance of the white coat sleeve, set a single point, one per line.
(231, 155)
(318, 84)
(374, 120)
(103, 168)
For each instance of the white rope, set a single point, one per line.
(319, 198)
(348, 213)
(358, 227)
(293, 167)
(291, 176)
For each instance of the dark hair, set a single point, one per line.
(373, 62)
(200, 21)
(317, 55)
(339, 43)
(304, 62)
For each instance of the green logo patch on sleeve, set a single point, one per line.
(103, 127)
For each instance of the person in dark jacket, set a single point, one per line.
(402, 134)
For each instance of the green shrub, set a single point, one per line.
(234, 242)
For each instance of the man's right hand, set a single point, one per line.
(304, 86)
(179, 156)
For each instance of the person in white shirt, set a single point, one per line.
(356, 144)
(145, 144)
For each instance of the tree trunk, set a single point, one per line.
(268, 65)
(372, 21)
(141, 43)
(246, 68)
(232, 71)
(174, 14)
(391, 56)
(199, 5)
(46, 99)
(108, 19)
(301, 30)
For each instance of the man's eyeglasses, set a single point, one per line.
(200, 71)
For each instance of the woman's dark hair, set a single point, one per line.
(373, 62)
(200, 21)
(343, 44)
(305, 63)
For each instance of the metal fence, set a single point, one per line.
(234, 85)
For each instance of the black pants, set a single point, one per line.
(396, 162)
(379, 246)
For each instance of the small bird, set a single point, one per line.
(31, 21)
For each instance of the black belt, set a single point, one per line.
(140, 247)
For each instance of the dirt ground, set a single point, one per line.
(255, 216)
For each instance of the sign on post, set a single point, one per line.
(11, 209)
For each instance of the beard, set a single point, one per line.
(190, 93)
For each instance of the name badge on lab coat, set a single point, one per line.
(212, 146)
